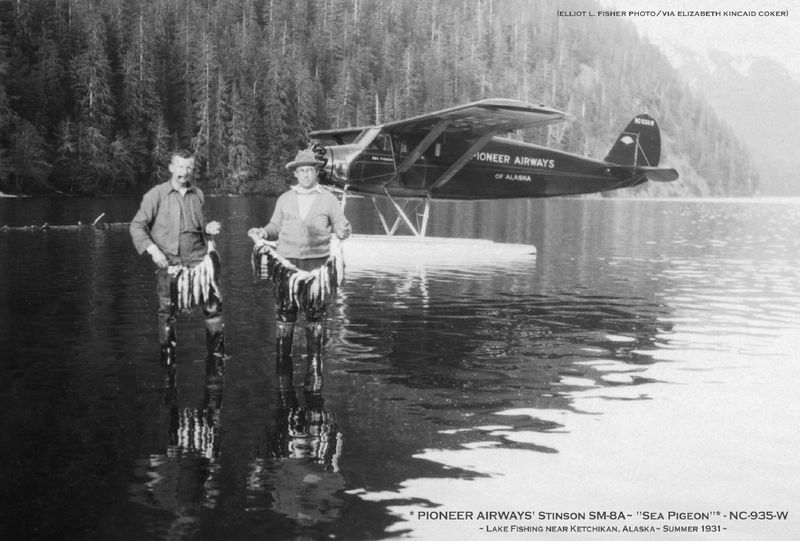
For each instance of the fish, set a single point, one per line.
(301, 288)
(194, 286)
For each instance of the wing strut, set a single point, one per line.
(417, 229)
(420, 229)
(462, 161)
(414, 155)
(390, 230)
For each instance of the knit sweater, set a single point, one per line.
(309, 237)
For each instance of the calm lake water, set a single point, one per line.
(643, 363)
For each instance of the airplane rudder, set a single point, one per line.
(638, 144)
(649, 140)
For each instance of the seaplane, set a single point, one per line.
(463, 153)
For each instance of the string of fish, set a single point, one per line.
(193, 286)
(318, 284)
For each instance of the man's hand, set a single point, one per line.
(158, 257)
(213, 228)
(344, 231)
(254, 233)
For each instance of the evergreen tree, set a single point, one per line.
(240, 158)
(161, 150)
(105, 89)
(29, 157)
(94, 109)
(5, 119)
(304, 101)
(203, 80)
(140, 101)
(47, 82)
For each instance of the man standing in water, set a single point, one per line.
(303, 222)
(171, 228)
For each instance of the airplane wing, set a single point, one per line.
(476, 122)
(477, 118)
(339, 136)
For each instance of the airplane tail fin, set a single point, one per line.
(639, 144)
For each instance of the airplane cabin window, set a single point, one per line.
(382, 143)
(403, 145)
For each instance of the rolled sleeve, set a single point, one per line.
(341, 225)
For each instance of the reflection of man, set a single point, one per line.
(300, 473)
(303, 222)
(182, 477)
(171, 227)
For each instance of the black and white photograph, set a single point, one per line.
(302, 270)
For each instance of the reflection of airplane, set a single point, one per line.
(456, 154)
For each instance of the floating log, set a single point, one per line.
(96, 224)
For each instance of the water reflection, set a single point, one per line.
(487, 334)
(182, 477)
(629, 370)
(297, 474)
(645, 358)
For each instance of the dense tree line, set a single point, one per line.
(94, 93)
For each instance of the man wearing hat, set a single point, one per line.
(304, 219)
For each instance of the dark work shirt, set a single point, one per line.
(173, 222)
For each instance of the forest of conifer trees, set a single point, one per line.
(95, 93)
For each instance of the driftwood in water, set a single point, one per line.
(96, 224)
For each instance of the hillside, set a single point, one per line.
(760, 100)
(94, 93)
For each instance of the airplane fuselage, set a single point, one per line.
(458, 153)
(501, 169)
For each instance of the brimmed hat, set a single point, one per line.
(304, 157)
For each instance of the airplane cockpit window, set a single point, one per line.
(381, 143)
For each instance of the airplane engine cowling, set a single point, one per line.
(338, 160)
